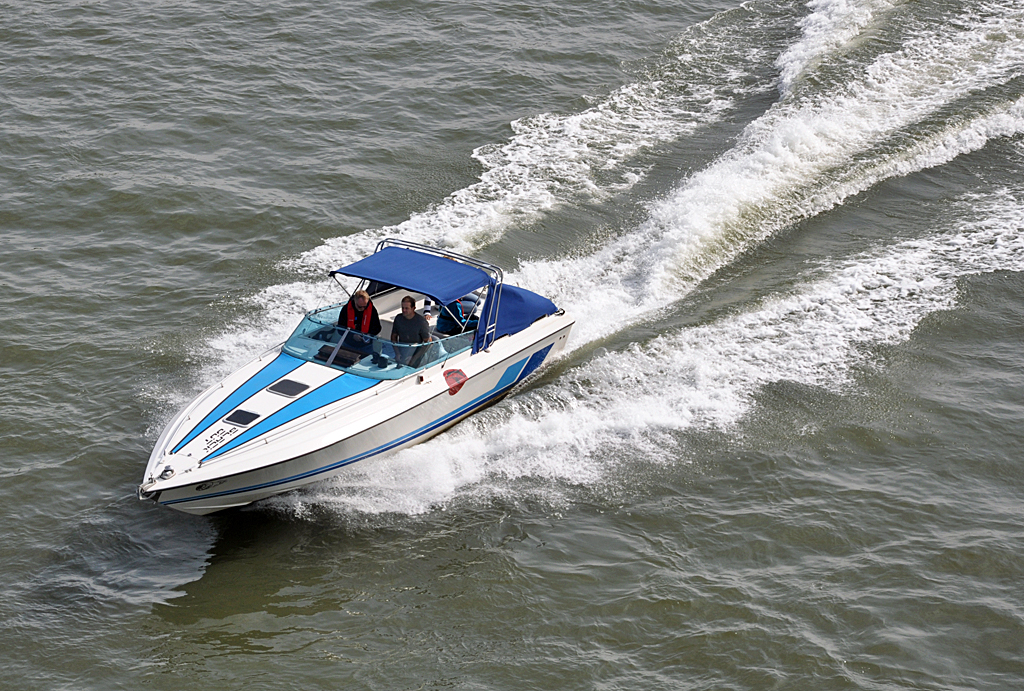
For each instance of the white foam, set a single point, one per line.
(815, 334)
(796, 161)
(624, 408)
(555, 158)
(830, 26)
(718, 215)
(799, 159)
(804, 156)
(551, 159)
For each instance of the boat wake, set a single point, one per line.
(627, 407)
(939, 94)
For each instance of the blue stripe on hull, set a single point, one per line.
(535, 361)
(278, 367)
(331, 392)
(512, 375)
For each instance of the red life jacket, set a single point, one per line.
(364, 321)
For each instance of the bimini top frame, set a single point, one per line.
(442, 274)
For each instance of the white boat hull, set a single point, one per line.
(223, 466)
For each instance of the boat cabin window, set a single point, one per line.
(242, 418)
(288, 387)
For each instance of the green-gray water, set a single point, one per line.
(782, 452)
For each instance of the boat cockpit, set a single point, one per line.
(319, 338)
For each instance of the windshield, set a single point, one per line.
(319, 339)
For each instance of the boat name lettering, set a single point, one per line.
(218, 438)
(209, 485)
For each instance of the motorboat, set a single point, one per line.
(331, 395)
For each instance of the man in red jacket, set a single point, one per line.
(361, 320)
(360, 316)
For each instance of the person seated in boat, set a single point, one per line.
(453, 319)
(360, 317)
(410, 327)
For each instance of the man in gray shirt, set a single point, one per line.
(410, 327)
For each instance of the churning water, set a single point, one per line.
(782, 450)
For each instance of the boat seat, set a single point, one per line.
(345, 357)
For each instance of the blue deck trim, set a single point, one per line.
(277, 368)
(331, 392)
(512, 375)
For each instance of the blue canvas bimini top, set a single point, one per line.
(508, 309)
(519, 308)
(443, 279)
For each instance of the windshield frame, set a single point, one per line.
(319, 339)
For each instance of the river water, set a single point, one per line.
(783, 450)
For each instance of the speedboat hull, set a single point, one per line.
(208, 460)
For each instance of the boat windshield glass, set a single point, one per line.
(318, 338)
